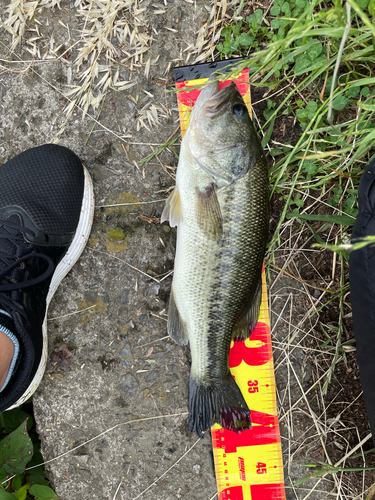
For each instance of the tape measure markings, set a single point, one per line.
(249, 465)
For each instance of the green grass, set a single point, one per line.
(322, 469)
(303, 48)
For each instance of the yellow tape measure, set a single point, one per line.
(249, 465)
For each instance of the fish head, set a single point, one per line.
(221, 136)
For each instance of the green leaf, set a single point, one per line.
(354, 91)
(258, 15)
(365, 92)
(21, 493)
(4, 495)
(298, 202)
(318, 239)
(301, 113)
(42, 492)
(14, 418)
(3, 475)
(343, 220)
(16, 450)
(275, 23)
(318, 63)
(245, 40)
(309, 167)
(303, 64)
(37, 475)
(275, 10)
(17, 482)
(340, 102)
(226, 31)
(236, 28)
(267, 137)
(311, 108)
(234, 44)
(313, 52)
(362, 4)
(335, 137)
(371, 7)
(276, 152)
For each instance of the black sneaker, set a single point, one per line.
(46, 213)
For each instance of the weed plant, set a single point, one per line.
(21, 476)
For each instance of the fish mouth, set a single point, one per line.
(219, 101)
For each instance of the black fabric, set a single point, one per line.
(47, 182)
(7, 322)
(362, 290)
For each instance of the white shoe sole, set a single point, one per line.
(65, 265)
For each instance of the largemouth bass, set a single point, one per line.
(221, 207)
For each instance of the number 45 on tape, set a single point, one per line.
(249, 465)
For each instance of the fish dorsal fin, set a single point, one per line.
(172, 210)
(208, 213)
(246, 323)
(176, 327)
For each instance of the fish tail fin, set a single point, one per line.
(220, 401)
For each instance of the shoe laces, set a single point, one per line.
(14, 252)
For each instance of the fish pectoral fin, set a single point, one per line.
(246, 323)
(176, 326)
(208, 212)
(172, 210)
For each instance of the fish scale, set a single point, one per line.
(239, 261)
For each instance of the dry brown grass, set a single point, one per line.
(113, 35)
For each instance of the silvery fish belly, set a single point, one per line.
(221, 208)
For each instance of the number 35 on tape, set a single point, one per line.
(249, 465)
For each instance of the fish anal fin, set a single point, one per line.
(176, 326)
(208, 213)
(172, 210)
(246, 323)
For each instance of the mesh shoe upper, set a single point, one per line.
(47, 182)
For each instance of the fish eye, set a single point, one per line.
(239, 109)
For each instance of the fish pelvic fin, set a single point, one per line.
(172, 210)
(208, 213)
(176, 326)
(218, 402)
(247, 322)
